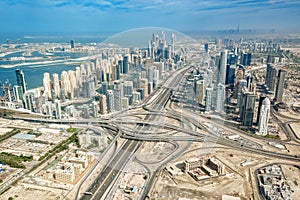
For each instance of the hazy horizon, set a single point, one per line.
(113, 16)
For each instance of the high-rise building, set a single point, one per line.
(110, 101)
(247, 110)
(206, 47)
(220, 98)
(142, 93)
(56, 85)
(58, 109)
(173, 44)
(230, 74)
(200, 91)
(280, 85)
(261, 99)
(18, 93)
(72, 44)
(8, 92)
(118, 72)
(144, 85)
(270, 80)
(103, 104)
(47, 85)
(238, 76)
(104, 88)
(95, 108)
(208, 99)
(241, 84)
(264, 117)
(73, 81)
(245, 59)
(156, 76)
(128, 88)
(221, 73)
(125, 103)
(126, 63)
(21, 80)
(136, 97)
(117, 99)
(65, 83)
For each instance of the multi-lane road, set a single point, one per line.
(152, 109)
(108, 176)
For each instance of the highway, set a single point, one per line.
(101, 186)
(150, 117)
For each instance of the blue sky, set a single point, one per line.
(119, 15)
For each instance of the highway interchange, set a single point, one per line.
(152, 127)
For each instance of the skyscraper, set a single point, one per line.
(261, 99)
(65, 83)
(58, 109)
(95, 109)
(173, 44)
(200, 91)
(270, 77)
(110, 101)
(208, 99)
(21, 80)
(18, 92)
(221, 73)
(280, 85)
(247, 110)
(206, 47)
(47, 85)
(220, 97)
(128, 88)
(241, 84)
(230, 74)
(264, 117)
(102, 104)
(56, 85)
(117, 99)
(126, 62)
(245, 59)
(72, 44)
(238, 76)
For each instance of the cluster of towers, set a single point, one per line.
(158, 49)
(234, 87)
(275, 81)
(13, 95)
(118, 78)
(140, 72)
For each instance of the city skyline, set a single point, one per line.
(116, 16)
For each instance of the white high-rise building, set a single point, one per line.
(95, 108)
(220, 97)
(65, 82)
(208, 99)
(47, 85)
(73, 81)
(264, 117)
(78, 76)
(127, 88)
(58, 109)
(144, 85)
(103, 104)
(56, 85)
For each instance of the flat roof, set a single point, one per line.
(23, 136)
